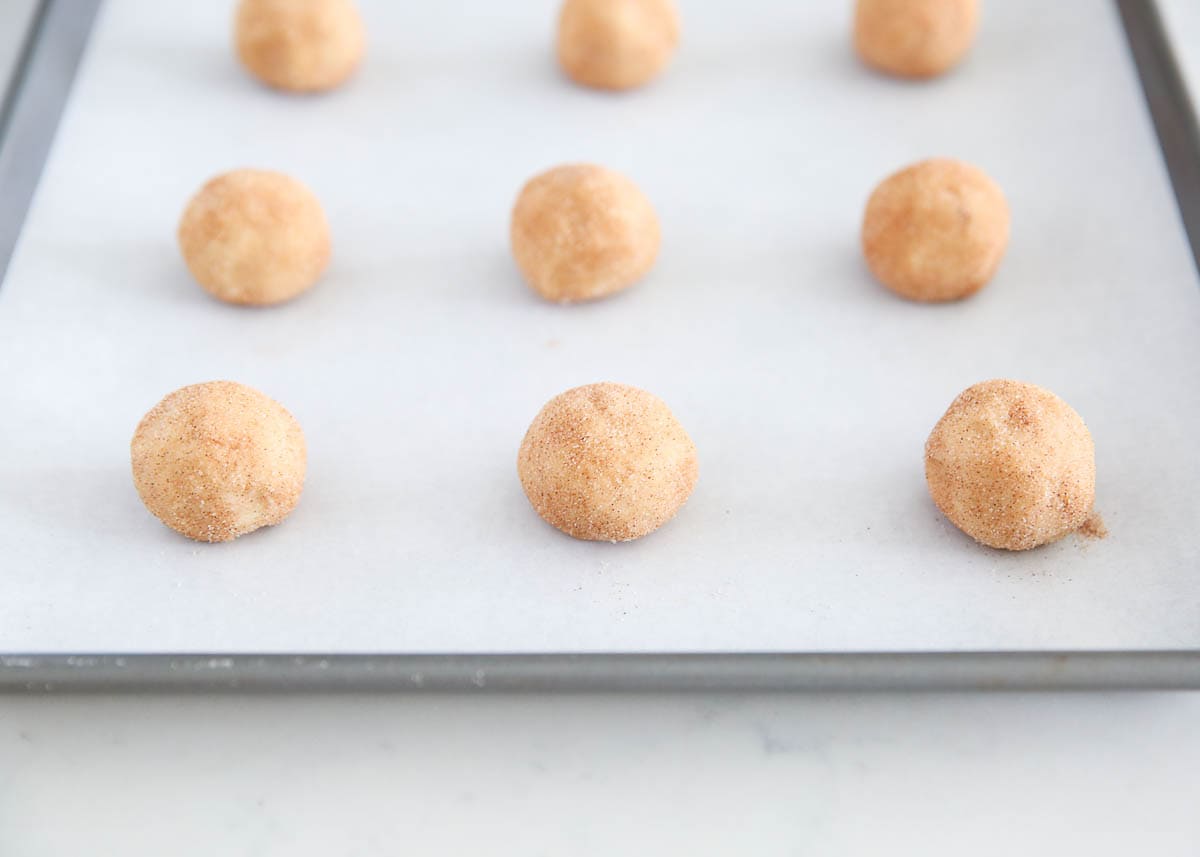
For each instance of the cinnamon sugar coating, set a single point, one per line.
(1012, 465)
(299, 45)
(935, 231)
(616, 44)
(254, 237)
(218, 460)
(607, 462)
(581, 232)
(914, 38)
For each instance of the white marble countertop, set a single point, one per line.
(1096, 774)
(784, 775)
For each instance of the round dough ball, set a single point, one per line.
(607, 462)
(1012, 465)
(254, 237)
(218, 460)
(935, 231)
(581, 232)
(299, 45)
(616, 44)
(914, 38)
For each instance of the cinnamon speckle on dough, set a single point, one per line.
(581, 232)
(935, 231)
(1012, 465)
(217, 460)
(607, 462)
(1093, 527)
(254, 237)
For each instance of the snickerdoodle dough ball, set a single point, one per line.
(616, 44)
(299, 45)
(607, 462)
(1012, 465)
(914, 38)
(254, 237)
(935, 231)
(218, 460)
(581, 232)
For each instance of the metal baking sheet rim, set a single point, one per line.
(60, 29)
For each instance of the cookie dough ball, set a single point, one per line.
(914, 38)
(581, 232)
(607, 462)
(1012, 465)
(616, 44)
(218, 460)
(299, 45)
(254, 237)
(935, 231)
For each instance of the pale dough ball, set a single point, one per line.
(935, 231)
(581, 232)
(616, 44)
(914, 38)
(1012, 465)
(254, 237)
(607, 462)
(215, 461)
(299, 45)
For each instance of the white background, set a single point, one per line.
(1108, 774)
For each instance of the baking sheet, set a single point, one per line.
(418, 363)
(17, 16)
(1182, 20)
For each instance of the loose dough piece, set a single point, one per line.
(935, 231)
(299, 45)
(254, 237)
(914, 38)
(616, 44)
(1012, 465)
(218, 460)
(581, 232)
(607, 462)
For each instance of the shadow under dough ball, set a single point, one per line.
(299, 45)
(607, 462)
(1011, 465)
(914, 38)
(616, 44)
(218, 460)
(582, 232)
(254, 237)
(935, 231)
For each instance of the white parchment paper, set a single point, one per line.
(417, 364)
